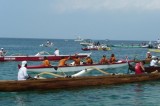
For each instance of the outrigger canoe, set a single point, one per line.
(154, 50)
(72, 68)
(73, 82)
(41, 57)
(148, 69)
(104, 49)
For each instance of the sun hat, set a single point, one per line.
(23, 63)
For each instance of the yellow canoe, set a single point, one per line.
(154, 50)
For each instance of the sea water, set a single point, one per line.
(133, 94)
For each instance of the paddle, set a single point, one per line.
(53, 74)
(55, 67)
(130, 67)
(104, 72)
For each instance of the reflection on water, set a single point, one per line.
(138, 98)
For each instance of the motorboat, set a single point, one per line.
(87, 42)
(97, 47)
(47, 44)
(79, 39)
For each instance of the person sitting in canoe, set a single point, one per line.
(63, 60)
(148, 56)
(154, 61)
(56, 52)
(89, 60)
(112, 58)
(46, 62)
(139, 67)
(76, 60)
(104, 60)
(22, 73)
(2, 52)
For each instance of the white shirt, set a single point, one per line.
(22, 73)
(56, 52)
(2, 53)
(153, 63)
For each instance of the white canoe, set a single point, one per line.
(75, 68)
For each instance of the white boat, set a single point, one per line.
(79, 39)
(72, 68)
(87, 42)
(47, 44)
(97, 47)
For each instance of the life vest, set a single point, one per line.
(89, 61)
(46, 63)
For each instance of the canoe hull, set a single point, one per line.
(40, 58)
(77, 82)
(74, 68)
(88, 49)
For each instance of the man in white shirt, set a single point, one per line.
(22, 73)
(154, 61)
(2, 52)
(56, 52)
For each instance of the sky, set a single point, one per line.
(89, 19)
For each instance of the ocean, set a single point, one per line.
(132, 94)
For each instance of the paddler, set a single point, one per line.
(148, 56)
(46, 62)
(104, 60)
(89, 60)
(63, 60)
(22, 73)
(76, 60)
(2, 52)
(56, 52)
(154, 61)
(139, 67)
(112, 58)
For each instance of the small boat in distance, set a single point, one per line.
(47, 44)
(154, 50)
(141, 45)
(79, 39)
(87, 42)
(97, 47)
